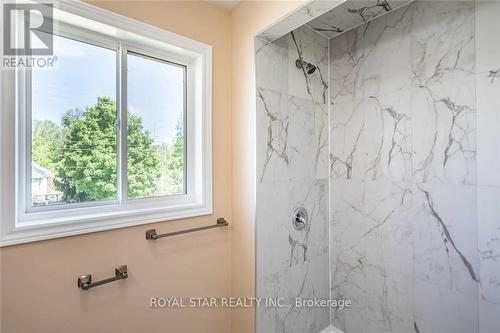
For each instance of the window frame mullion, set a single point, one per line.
(123, 124)
(25, 137)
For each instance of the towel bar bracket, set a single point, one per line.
(85, 281)
(152, 235)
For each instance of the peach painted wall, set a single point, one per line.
(247, 19)
(38, 280)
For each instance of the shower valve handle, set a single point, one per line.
(299, 218)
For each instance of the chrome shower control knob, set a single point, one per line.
(299, 218)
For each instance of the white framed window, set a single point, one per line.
(116, 133)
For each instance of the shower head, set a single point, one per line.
(306, 66)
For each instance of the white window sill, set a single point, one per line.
(83, 224)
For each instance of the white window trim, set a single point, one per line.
(17, 226)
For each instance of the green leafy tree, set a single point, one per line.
(71, 115)
(87, 164)
(175, 161)
(143, 161)
(47, 141)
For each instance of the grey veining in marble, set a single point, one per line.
(488, 202)
(298, 18)
(351, 14)
(442, 113)
(446, 150)
(306, 280)
(442, 41)
(444, 236)
(371, 138)
(292, 171)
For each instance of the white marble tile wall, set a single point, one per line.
(307, 280)
(371, 269)
(415, 170)
(487, 88)
(488, 161)
(352, 13)
(292, 171)
(298, 18)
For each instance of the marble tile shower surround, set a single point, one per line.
(414, 149)
(292, 171)
(393, 147)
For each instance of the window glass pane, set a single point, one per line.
(74, 134)
(156, 143)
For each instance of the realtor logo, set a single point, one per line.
(28, 29)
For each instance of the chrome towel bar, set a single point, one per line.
(85, 281)
(152, 235)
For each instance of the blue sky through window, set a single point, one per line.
(156, 93)
(84, 72)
